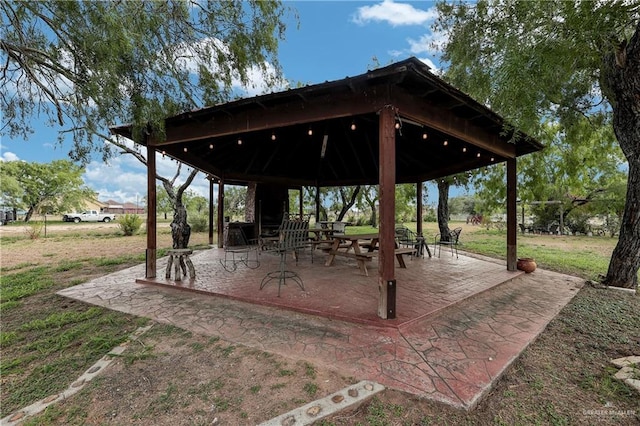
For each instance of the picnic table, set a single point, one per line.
(351, 246)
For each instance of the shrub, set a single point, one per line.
(34, 230)
(199, 223)
(129, 224)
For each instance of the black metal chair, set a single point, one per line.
(452, 241)
(293, 239)
(405, 237)
(238, 250)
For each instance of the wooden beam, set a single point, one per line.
(386, 260)
(150, 271)
(512, 219)
(294, 111)
(447, 122)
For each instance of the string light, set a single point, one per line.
(273, 136)
(310, 132)
(239, 141)
(185, 149)
(445, 143)
(464, 149)
(492, 159)
(397, 125)
(478, 155)
(210, 146)
(353, 125)
(425, 136)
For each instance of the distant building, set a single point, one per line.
(112, 206)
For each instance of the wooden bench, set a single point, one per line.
(368, 256)
(180, 258)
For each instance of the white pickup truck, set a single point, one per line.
(89, 216)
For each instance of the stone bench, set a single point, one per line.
(179, 258)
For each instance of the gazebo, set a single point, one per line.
(396, 124)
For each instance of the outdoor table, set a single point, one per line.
(321, 233)
(349, 246)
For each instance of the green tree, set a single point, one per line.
(444, 184)
(406, 202)
(89, 64)
(43, 187)
(195, 202)
(163, 203)
(371, 196)
(86, 65)
(235, 201)
(542, 63)
(344, 198)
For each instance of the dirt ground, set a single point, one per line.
(167, 376)
(172, 377)
(94, 240)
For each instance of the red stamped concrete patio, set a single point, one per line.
(460, 321)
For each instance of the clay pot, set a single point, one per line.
(527, 264)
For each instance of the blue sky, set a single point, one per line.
(331, 40)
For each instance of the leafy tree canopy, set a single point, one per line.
(570, 66)
(86, 65)
(43, 187)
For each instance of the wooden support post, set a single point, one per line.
(220, 213)
(301, 202)
(210, 209)
(150, 255)
(512, 215)
(317, 204)
(419, 208)
(387, 179)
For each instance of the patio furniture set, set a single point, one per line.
(295, 235)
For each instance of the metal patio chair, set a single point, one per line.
(405, 237)
(452, 241)
(293, 239)
(238, 250)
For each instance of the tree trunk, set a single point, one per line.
(622, 78)
(27, 216)
(443, 209)
(347, 202)
(180, 229)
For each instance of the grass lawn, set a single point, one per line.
(47, 341)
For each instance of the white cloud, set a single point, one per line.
(9, 156)
(124, 178)
(429, 62)
(396, 14)
(258, 78)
